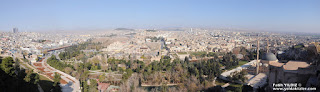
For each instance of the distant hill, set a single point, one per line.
(150, 30)
(124, 29)
(174, 29)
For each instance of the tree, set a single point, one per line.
(9, 83)
(17, 65)
(28, 78)
(84, 75)
(93, 86)
(57, 78)
(164, 87)
(85, 87)
(54, 62)
(102, 77)
(126, 75)
(239, 76)
(121, 70)
(239, 89)
(37, 59)
(95, 60)
(68, 70)
(32, 77)
(7, 65)
(36, 78)
(196, 72)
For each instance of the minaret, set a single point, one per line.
(267, 45)
(258, 63)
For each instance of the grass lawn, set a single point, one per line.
(240, 64)
(199, 54)
(219, 82)
(182, 52)
(235, 85)
(44, 78)
(298, 46)
(231, 88)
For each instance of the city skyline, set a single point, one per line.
(159, 46)
(279, 16)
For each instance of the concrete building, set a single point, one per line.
(15, 30)
(293, 72)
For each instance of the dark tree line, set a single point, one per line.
(74, 50)
(14, 79)
(229, 60)
(54, 62)
(200, 73)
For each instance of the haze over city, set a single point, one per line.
(160, 46)
(270, 15)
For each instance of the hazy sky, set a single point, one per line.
(273, 15)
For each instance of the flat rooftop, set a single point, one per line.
(258, 80)
(295, 65)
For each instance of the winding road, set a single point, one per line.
(67, 82)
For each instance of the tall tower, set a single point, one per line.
(258, 63)
(14, 30)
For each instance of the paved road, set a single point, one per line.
(67, 83)
(72, 85)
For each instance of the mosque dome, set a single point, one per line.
(269, 57)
